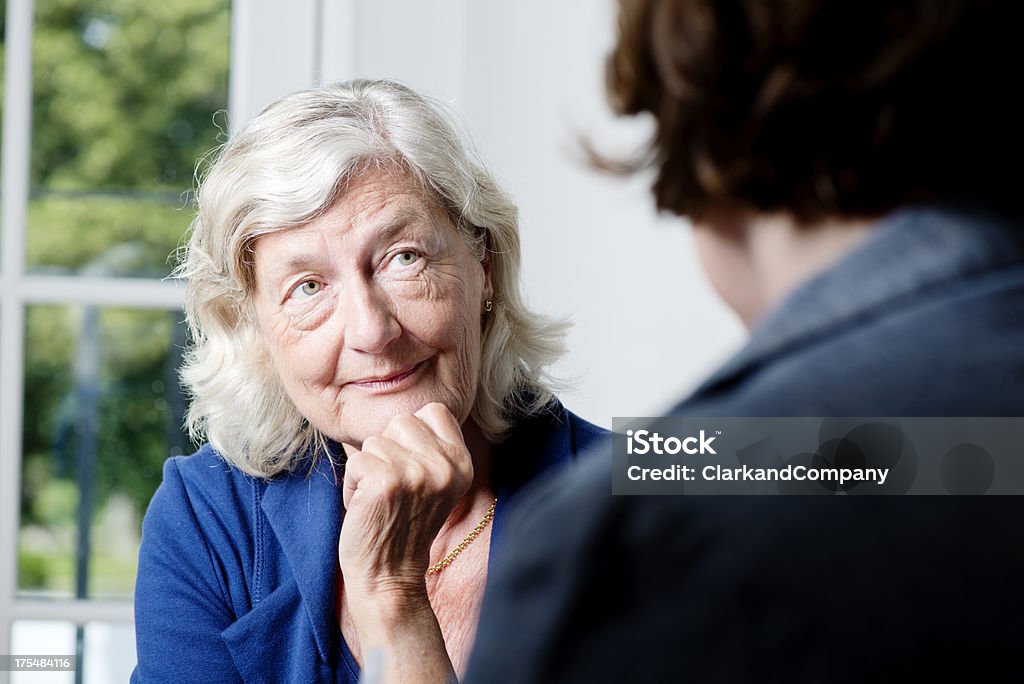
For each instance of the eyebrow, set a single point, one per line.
(399, 222)
(281, 270)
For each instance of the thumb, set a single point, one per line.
(351, 479)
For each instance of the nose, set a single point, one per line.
(370, 324)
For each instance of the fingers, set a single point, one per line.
(421, 453)
(382, 470)
(388, 472)
(398, 490)
(359, 467)
(440, 420)
(411, 432)
(430, 432)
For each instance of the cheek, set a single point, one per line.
(302, 358)
(465, 331)
(451, 326)
(464, 338)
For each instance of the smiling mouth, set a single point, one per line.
(388, 382)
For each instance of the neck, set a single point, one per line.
(755, 260)
(481, 492)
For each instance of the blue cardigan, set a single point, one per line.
(237, 575)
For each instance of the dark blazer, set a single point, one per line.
(237, 575)
(926, 318)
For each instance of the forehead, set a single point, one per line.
(382, 190)
(371, 207)
(374, 204)
(380, 200)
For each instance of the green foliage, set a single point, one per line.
(34, 570)
(48, 350)
(105, 235)
(126, 90)
(126, 95)
(57, 502)
(136, 420)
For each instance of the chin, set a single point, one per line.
(370, 418)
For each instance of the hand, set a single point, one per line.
(398, 492)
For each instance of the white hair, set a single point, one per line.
(282, 170)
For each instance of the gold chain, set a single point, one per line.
(474, 533)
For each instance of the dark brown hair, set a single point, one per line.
(820, 107)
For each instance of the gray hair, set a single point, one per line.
(283, 170)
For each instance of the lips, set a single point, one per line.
(384, 382)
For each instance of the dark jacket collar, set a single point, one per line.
(910, 250)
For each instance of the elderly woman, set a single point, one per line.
(371, 387)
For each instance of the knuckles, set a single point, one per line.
(434, 409)
(404, 425)
(376, 444)
(410, 458)
(387, 468)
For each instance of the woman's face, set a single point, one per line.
(373, 309)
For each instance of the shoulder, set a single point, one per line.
(200, 530)
(567, 467)
(555, 434)
(203, 505)
(584, 433)
(541, 445)
(205, 470)
(205, 482)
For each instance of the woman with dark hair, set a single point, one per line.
(849, 170)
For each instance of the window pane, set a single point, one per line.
(108, 653)
(125, 96)
(129, 234)
(42, 637)
(103, 410)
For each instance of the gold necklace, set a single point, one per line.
(473, 534)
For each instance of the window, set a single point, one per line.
(107, 104)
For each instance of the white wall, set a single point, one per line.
(528, 78)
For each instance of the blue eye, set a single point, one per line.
(406, 258)
(306, 289)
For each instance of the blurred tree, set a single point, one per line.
(125, 91)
